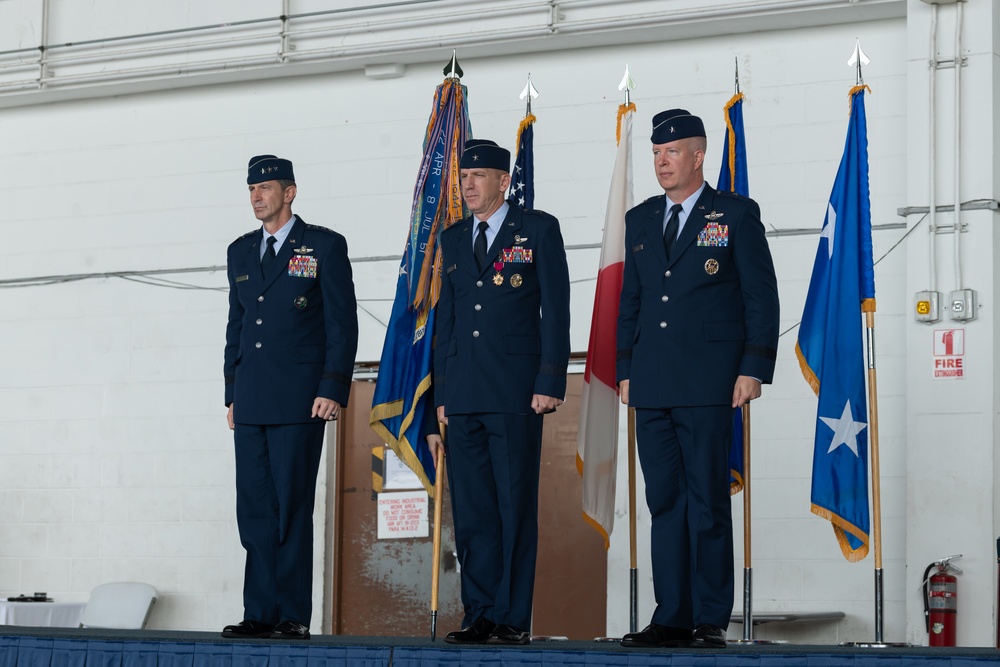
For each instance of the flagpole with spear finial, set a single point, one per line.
(451, 71)
(747, 514)
(628, 85)
(529, 93)
(857, 59)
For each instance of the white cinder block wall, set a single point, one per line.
(115, 461)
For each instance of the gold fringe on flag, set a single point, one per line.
(731, 134)
(429, 288)
(622, 110)
(840, 529)
(525, 122)
(850, 95)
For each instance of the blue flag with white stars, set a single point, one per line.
(830, 345)
(522, 179)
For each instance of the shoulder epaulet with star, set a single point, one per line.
(245, 236)
(541, 214)
(454, 225)
(732, 195)
(319, 228)
(652, 199)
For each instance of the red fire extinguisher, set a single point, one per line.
(941, 601)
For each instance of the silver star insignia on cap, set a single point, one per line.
(475, 157)
(671, 129)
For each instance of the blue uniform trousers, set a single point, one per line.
(684, 454)
(276, 468)
(493, 468)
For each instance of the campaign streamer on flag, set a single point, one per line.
(403, 404)
(830, 345)
(522, 181)
(733, 178)
(597, 439)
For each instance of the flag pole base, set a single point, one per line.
(633, 616)
(875, 644)
(434, 625)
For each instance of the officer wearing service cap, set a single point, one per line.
(697, 335)
(290, 347)
(500, 357)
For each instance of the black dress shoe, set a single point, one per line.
(247, 630)
(657, 636)
(290, 630)
(508, 634)
(708, 636)
(477, 633)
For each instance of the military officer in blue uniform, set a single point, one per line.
(290, 347)
(500, 357)
(697, 335)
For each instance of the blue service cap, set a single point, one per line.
(484, 154)
(676, 124)
(269, 168)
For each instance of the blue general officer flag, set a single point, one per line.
(403, 404)
(522, 180)
(830, 346)
(733, 178)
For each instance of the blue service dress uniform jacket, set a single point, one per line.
(293, 334)
(501, 340)
(687, 327)
(502, 336)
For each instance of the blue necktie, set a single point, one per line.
(480, 245)
(267, 260)
(670, 233)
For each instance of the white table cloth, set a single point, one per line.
(41, 614)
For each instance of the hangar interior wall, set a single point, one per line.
(115, 461)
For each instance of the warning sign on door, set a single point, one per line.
(949, 354)
(402, 514)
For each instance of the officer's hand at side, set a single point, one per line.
(441, 417)
(746, 389)
(436, 445)
(544, 404)
(623, 391)
(229, 418)
(325, 408)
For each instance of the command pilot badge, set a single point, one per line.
(711, 267)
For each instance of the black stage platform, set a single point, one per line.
(50, 647)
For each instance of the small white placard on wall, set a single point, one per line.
(402, 514)
(397, 474)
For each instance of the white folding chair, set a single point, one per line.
(123, 605)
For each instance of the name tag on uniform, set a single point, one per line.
(637, 248)
(302, 266)
(451, 268)
(240, 279)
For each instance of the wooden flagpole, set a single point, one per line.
(876, 476)
(436, 560)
